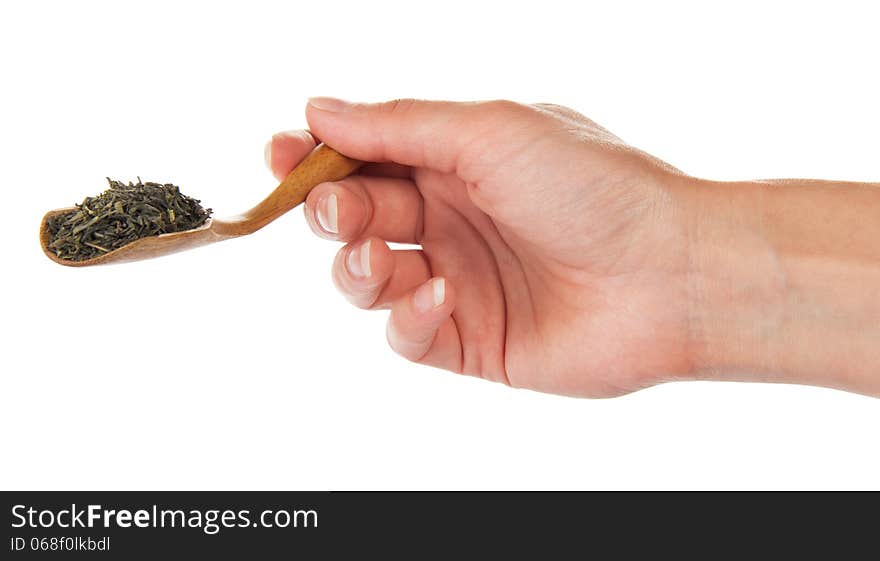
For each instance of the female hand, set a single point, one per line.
(553, 255)
(556, 257)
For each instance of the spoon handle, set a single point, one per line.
(321, 165)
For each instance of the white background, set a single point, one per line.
(238, 366)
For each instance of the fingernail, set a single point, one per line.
(358, 261)
(328, 214)
(267, 154)
(330, 104)
(430, 295)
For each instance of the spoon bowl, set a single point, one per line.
(321, 165)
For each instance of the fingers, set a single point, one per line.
(359, 206)
(381, 201)
(421, 329)
(384, 204)
(285, 150)
(432, 134)
(372, 276)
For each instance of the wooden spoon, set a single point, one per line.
(323, 164)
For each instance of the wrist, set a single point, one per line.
(785, 282)
(736, 284)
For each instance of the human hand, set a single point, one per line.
(556, 257)
(552, 255)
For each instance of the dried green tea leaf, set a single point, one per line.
(120, 215)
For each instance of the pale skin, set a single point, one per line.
(555, 257)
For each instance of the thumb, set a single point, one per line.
(441, 135)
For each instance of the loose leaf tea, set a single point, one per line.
(120, 215)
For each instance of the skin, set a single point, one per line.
(555, 257)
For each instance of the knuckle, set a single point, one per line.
(359, 298)
(363, 297)
(507, 107)
(362, 300)
(402, 344)
(398, 106)
(554, 108)
(564, 114)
